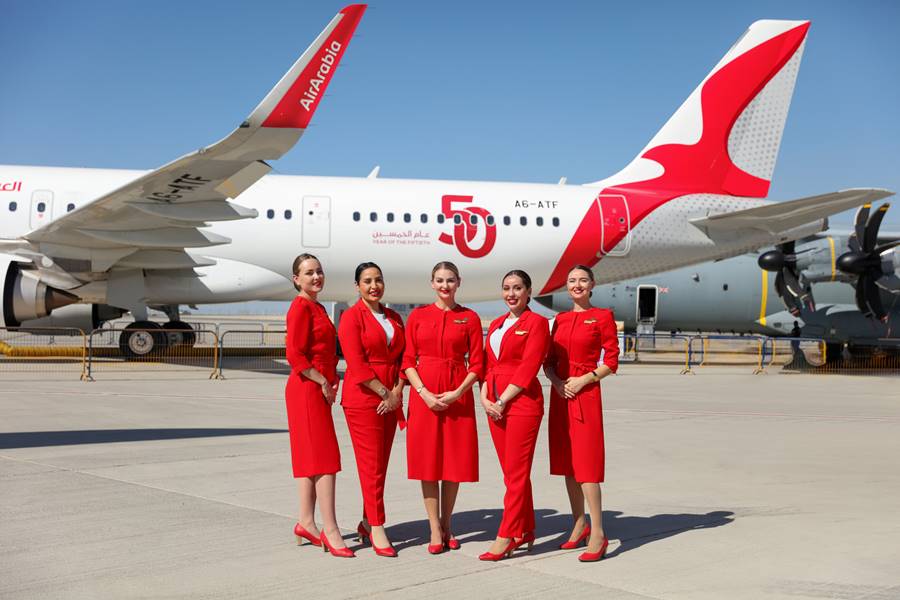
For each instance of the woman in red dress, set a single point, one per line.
(514, 402)
(310, 392)
(372, 339)
(575, 369)
(442, 441)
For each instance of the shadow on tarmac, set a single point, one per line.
(37, 439)
(632, 531)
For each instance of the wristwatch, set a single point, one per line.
(500, 403)
(420, 388)
(383, 392)
(594, 375)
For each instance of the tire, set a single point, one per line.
(142, 339)
(179, 334)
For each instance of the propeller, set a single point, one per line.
(790, 284)
(864, 260)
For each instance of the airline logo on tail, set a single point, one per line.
(673, 165)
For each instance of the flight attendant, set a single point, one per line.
(442, 441)
(310, 392)
(575, 368)
(514, 402)
(372, 339)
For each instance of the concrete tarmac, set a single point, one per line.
(721, 485)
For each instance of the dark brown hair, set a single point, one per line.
(362, 267)
(445, 264)
(584, 268)
(521, 275)
(295, 268)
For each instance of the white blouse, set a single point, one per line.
(386, 325)
(497, 336)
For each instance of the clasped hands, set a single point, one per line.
(571, 386)
(392, 401)
(439, 402)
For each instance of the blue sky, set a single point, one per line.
(525, 91)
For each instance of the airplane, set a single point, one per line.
(84, 244)
(817, 285)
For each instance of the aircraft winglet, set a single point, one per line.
(294, 99)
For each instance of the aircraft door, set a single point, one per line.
(41, 208)
(647, 304)
(316, 227)
(615, 222)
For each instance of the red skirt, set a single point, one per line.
(576, 435)
(314, 445)
(442, 446)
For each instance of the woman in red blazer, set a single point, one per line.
(442, 440)
(310, 392)
(513, 399)
(372, 339)
(575, 369)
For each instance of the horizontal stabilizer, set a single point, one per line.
(778, 217)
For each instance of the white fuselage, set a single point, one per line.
(405, 226)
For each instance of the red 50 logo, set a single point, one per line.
(466, 221)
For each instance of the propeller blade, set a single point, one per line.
(872, 226)
(873, 297)
(792, 284)
(861, 298)
(859, 223)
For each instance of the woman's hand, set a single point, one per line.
(329, 391)
(449, 398)
(491, 409)
(559, 385)
(391, 402)
(576, 384)
(433, 402)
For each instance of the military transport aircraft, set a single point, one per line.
(841, 287)
(87, 243)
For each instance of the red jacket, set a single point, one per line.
(310, 340)
(368, 354)
(522, 353)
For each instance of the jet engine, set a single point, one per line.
(24, 296)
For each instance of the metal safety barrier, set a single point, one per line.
(722, 349)
(261, 351)
(659, 348)
(43, 350)
(130, 350)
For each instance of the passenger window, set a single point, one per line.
(356, 216)
(41, 207)
(523, 221)
(423, 218)
(287, 214)
(556, 221)
(441, 218)
(490, 219)
(270, 213)
(457, 220)
(390, 217)
(407, 217)
(70, 207)
(13, 206)
(540, 221)
(373, 217)
(506, 220)
(473, 219)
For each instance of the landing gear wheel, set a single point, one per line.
(141, 339)
(180, 334)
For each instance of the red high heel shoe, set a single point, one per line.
(595, 556)
(528, 538)
(507, 552)
(389, 551)
(302, 534)
(363, 535)
(435, 548)
(339, 552)
(451, 543)
(582, 537)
